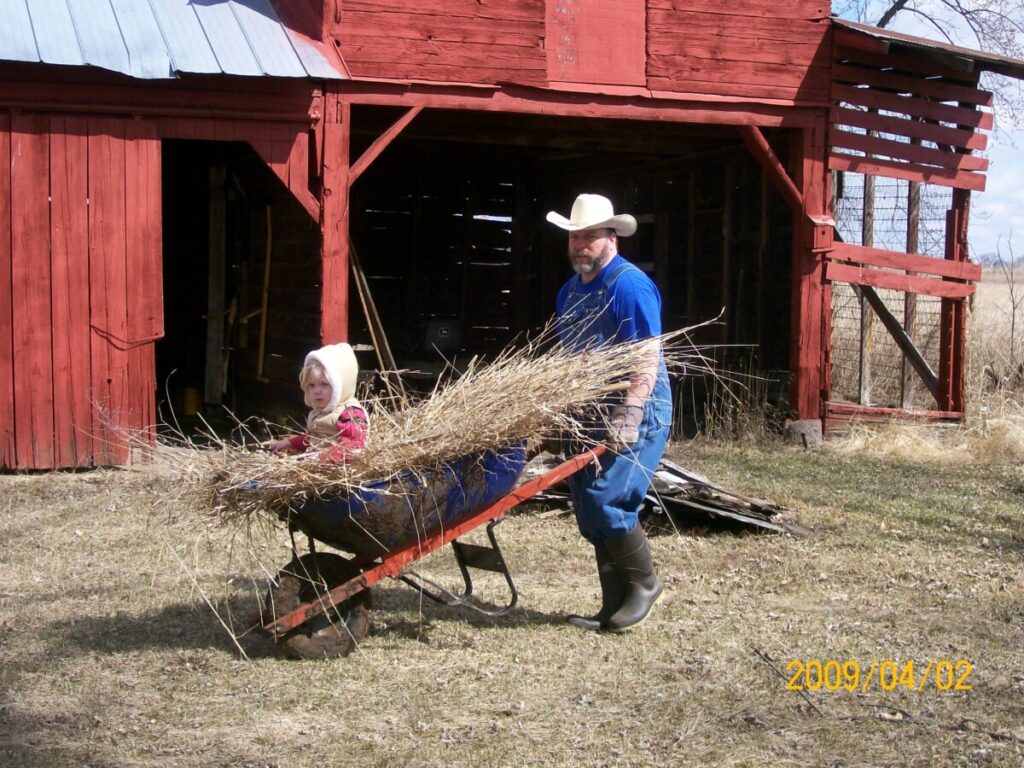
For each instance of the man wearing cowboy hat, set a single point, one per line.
(608, 301)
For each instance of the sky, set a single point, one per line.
(997, 213)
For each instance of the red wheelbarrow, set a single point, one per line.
(318, 604)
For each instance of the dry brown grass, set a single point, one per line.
(109, 655)
(993, 431)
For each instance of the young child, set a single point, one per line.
(337, 425)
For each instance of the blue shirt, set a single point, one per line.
(619, 304)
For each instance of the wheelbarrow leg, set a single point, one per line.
(468, 556)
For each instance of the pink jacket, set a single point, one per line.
(338, 438)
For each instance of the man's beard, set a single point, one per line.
(592, 265)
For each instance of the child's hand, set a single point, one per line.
(280, 446)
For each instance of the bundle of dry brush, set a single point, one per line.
(526, 393)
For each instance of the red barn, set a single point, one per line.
(185, 187)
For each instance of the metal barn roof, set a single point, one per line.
(160, 38)
(965, 59)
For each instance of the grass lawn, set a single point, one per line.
(110, 655)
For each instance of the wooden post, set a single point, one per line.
(334, 219)
(867, 238)
(808, 153)
(213, 386)
(953, 330)
(910, 299)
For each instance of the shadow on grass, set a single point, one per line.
(176, 626)
(191, 626)
(398, 600)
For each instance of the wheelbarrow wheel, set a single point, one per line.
(335, 632)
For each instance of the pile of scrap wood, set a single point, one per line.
(685, 498)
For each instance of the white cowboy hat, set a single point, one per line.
(594, 212)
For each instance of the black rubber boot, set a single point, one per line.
(632, 556)
(612, 591)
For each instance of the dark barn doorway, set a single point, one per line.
(449, 226)
(241, 286)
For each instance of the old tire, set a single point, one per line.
(335, 632)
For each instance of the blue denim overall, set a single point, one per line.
(607, 498)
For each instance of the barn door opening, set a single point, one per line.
(241, 285)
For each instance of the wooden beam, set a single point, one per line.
(773, 167)
(907, 171)
(899, 335)
(858, 254)
(901, 150)
(852, 410)
(858, 275)
(807, 359)
(380, 144)
(334, 221)
(953, 324)
(921, 86)
(913, 107)
(963, 138)
(910, 299)
(866, 346)
(571, 104)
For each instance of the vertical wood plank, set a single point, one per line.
(109, 288)
(69, 252)
(867, 238)
(953, 328)
(910, 299)
(8, 457)
(334, 221)
(30, 285)
(144, 269)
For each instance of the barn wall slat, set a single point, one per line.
(926, 110)
(756, 9)
(8, 456)
(902, 150)
(941, 134)
(940, 89)
(752, 49)
(143, 269)
(444, 40)
(908, 171)
(108, 283)
(30, 285)
(69, 254)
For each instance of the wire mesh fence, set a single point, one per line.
(868, 366)
(883, 377)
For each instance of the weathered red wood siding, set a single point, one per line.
(597, 41)
(464, 41)
(80, 274)
(7, 451)
(756, 49)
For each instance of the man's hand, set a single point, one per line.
(624, 425)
